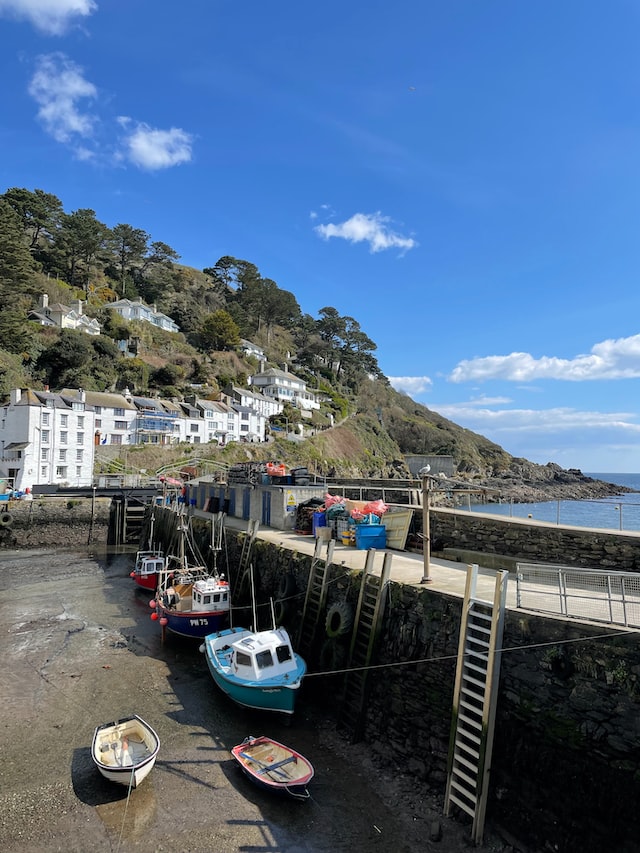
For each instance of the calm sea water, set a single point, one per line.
(618, 513)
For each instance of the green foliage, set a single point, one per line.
(219, 332)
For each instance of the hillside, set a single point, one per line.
(51, 259)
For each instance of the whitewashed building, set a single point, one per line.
(137, 310)
(47, 439)
(284, 386)
(64, 316)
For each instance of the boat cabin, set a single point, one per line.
(210, 594)
(267, 654)
(149, 566)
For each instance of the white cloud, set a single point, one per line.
(512, 421)
(610, 359)
(411, 384)
(50, 16)
(150, 148)
(58, 86)
(369, 228)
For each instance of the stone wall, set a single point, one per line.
(53, 522)
(535, 542)
(567, 742)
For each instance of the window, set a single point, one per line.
(193, 427)
(78, 470)
(116, 439)
(64, 436)
(98, 410)
(98, 423)
(63, 456)
(120, 425)
(79, 455)
(43, 472)
(44, 454)
(77, 407)
(64, 420)
(80, 438)
(61, 472)
(118, 413)
(45, 418)
(242, 659)
(80, 421)
(244, 416)
(45, 436)
(264, 659)
(283, 653)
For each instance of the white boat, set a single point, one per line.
(125, 751)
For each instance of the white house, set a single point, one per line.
(157, 421)
(137, 310)
(260, 403)
(284, 386)
(47, 439)
(252, 349)
(115, 415)
(64, 316)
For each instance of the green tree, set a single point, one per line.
(17, 268)
(78, 242)
(39, 212)
(219, 332)
(130, 246)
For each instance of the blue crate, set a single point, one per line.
(371, 536)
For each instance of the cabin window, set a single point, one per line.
(207, 599)
(197, 597)
(242, 659)
(283, 654)
(264, 659)
(216, 598)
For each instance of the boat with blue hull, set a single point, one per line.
(256, 669)
(191, 600)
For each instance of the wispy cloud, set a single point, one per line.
(52, 17)
(411, 384)
(371, 228)
(555, 420)
(59, 87)
(610, 359)
(152, 149)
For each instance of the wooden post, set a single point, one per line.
(426, 533)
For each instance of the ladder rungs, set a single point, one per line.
(472, 766)
(471, 708)
(461, 805)
(462, 718)
(470, 796)
(473, 680)
(461, 745)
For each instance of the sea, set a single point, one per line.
(619, 512)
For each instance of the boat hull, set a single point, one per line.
(146, 581)
(269, 695)
(125, 750)
(192, 623)
(274, 767)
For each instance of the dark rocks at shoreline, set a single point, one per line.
(526, 482)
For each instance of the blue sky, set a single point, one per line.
(461, 177)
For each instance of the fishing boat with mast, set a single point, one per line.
(149, 563)
(192, 600)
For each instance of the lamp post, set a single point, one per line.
(426, 533)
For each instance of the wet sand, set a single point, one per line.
(80, 650)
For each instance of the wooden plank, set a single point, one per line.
(397, 523)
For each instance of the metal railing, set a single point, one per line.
(611, 597)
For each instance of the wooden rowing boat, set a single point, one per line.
(125, 751)
(274, 766)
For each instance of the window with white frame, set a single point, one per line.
(80, 421)
(45, 418)
(78, 470)
(44, 454)
(63, 455)
(43, 472)
(61, 472)
(116, 439)
(80, 438)
(120, 425)
(45, 436)
(79, 455)
(64, 420)
(64, 437)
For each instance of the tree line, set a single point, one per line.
(44, 249)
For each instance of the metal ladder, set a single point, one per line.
(474, 701)
(315, 597)
(244, 567)
(366, 629)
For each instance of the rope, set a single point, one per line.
(124, 816)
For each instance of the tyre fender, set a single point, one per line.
(333, 655)
(6, 520)
(339, 619)
(286, 586)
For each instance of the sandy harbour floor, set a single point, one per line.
(79, 650)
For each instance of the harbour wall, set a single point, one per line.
(54, 522)
(531, 541)
(565, 772)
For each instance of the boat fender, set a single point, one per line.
(286, 586)
(281, 610)
(339, 619)
(170, 598)
(6, 520)
(333, 655)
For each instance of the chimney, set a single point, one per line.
(285, 367)
(82, 395)
(44, 300)
(78, 307)
(16, 395)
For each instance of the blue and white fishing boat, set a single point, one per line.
(257, 669)
(191, 600)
